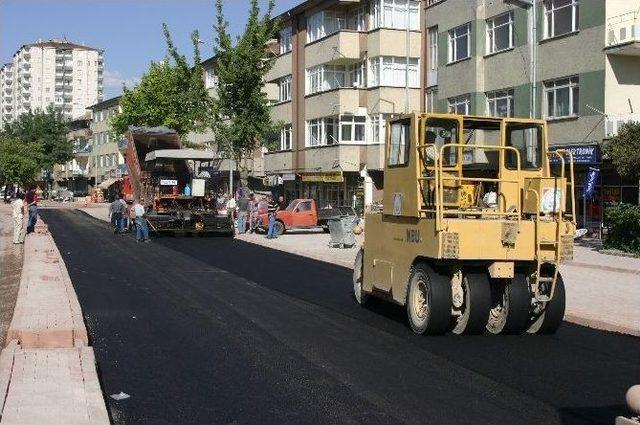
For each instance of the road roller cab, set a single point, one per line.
(477, 215)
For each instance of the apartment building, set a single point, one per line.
(60, 73)
(74, 175)
(341, 69)
(106, 159)
(584, 81)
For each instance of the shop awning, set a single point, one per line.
(107, 183)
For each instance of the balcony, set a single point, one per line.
(277, 162)
(281, 112)
(282, 66)
(331, 158)
(332, 102)
(623, 34)
(341, 48)
(615, 122)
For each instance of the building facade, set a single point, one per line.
(341, 69)
(74, 175)
(65, 75)
(106, 159)
(585, 80)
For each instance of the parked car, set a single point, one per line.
(305, 214)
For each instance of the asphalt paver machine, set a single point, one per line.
(477, 216)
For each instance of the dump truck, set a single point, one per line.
(159, 171)
(477, 216)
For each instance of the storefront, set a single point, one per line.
(609, 187)
(328, 189)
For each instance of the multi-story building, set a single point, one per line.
(342, 68)
(74, 175)
(106, 159)
(65, 75)
(585, 79)
(6, 91)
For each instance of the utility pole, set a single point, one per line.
(406, 68)
(533, 51)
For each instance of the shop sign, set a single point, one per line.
(334, 177)
(288, 177)
(168, 182)
(582, 154)
(590, 181)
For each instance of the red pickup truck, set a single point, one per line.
(304, 214)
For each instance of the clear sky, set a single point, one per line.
(129, 31)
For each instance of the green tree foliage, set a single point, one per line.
(242, 112)
(47, 130)
(20, 161)
(171, 93)
(623, 222)
(624, 150)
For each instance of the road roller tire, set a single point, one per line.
(550, 319)
(358, 269)
(428, 301)
(511, 301)
(477, 303)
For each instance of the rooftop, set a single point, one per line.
(108, 103)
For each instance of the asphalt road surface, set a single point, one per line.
(214, 330)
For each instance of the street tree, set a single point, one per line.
(624, 150)
(46, 131)
(20, 161)
(171, 93)
(242, 122)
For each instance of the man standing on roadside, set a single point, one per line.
(272, 208)
(31, 202)
(115, 211)
(142, 231)
(243, 210)
(18, 219)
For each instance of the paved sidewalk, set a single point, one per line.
(603, 291)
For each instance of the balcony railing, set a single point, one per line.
(615, 122)
(623, 29)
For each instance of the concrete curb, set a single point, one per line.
(47, 312)
(600, 324)
(47, 371)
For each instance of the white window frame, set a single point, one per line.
(455, 103)
(284, 89)
(393, 14)
(433, 47)
(210, 78)
(454, 36)
(551, 89)
(551, 8)
(286, 137)
(390, 71)
(496, 97)
(349, 125)
(377, 128)
(286, 40)
(323, 137)
(324, 23)
(431, 98)
(492, 27)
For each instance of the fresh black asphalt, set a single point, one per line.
(219, 331)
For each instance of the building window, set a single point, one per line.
(433, 48)
(500, 33)
(378, 126)
(286, 135)
(322, 24)
(357, 19)
(460, 105)
(210, 78)
(322, 131)
(286, 41)
(284, 86)
(392, 71)
(395, 14)
(562, 97)
(560, 17)
(460, 43)
(329, 77)
(352, 128)
(500, 103)
(430, 99)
